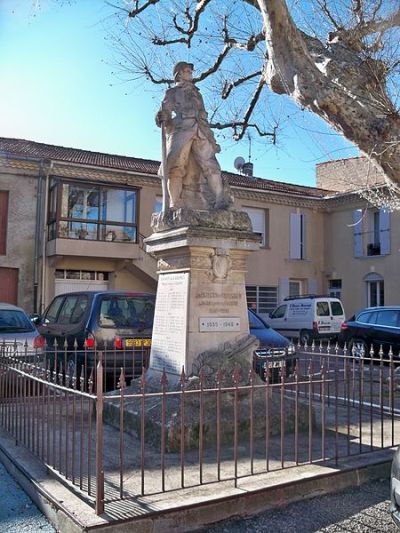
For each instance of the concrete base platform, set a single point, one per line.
(186, 509)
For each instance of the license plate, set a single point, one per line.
(137, 343)
(275, 364)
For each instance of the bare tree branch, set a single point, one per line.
(337, 87)
(228, 86)
(244, 125)
(193, 21)
(250, 109)
(138, 9)
(216, 65)
(325, 9)
(345, 70)
(249, 45)
(355, 35)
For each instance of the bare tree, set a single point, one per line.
(339, 59)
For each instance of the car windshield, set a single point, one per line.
(126, 312)
(255, 322)
(14, 321)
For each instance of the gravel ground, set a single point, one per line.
(363, 509)
(18, 514)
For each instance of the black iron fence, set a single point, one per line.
(114, 438)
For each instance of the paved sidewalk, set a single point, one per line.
(18, 513)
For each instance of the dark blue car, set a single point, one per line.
(275, 352)
(373, 327)
(79, 324)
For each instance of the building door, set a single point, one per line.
(9, 285)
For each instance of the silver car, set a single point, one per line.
(18, 336)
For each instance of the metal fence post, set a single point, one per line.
(99, 438)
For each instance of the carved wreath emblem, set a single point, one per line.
(221, 264)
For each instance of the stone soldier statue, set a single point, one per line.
(190, 144)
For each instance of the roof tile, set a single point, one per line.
(30, 149)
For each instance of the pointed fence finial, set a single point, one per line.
(121, 382)
(164, 379)
(90, 382)
(182, 378)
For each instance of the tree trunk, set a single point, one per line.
(335, 83)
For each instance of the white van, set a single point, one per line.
(308, 318)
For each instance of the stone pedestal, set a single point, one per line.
(201, 298)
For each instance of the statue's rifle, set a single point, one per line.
(165, 196)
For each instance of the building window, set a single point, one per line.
(375, 290)
(259, 219)
(295, 288)
(84, 275)
(371, 232)
(69, 280)
(335, 288)
(297, 236)
(291, 287)
(3, 221)
(92, 212)
(375, 293)
(262, 300)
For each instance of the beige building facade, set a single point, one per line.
(75, 220)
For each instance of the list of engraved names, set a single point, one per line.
(169, 331)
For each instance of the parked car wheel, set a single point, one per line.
(359, 348)
(306, 336)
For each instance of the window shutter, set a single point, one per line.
(358, 233)
(384, 231)
(295, 236)
(283, 288)
(3, 221)
(257, 217)
(9, 285)
(302, 236)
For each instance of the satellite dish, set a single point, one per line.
(239, 162)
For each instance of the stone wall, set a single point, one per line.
(21, 232)
(348, 174)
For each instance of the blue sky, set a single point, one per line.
(57, 87)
